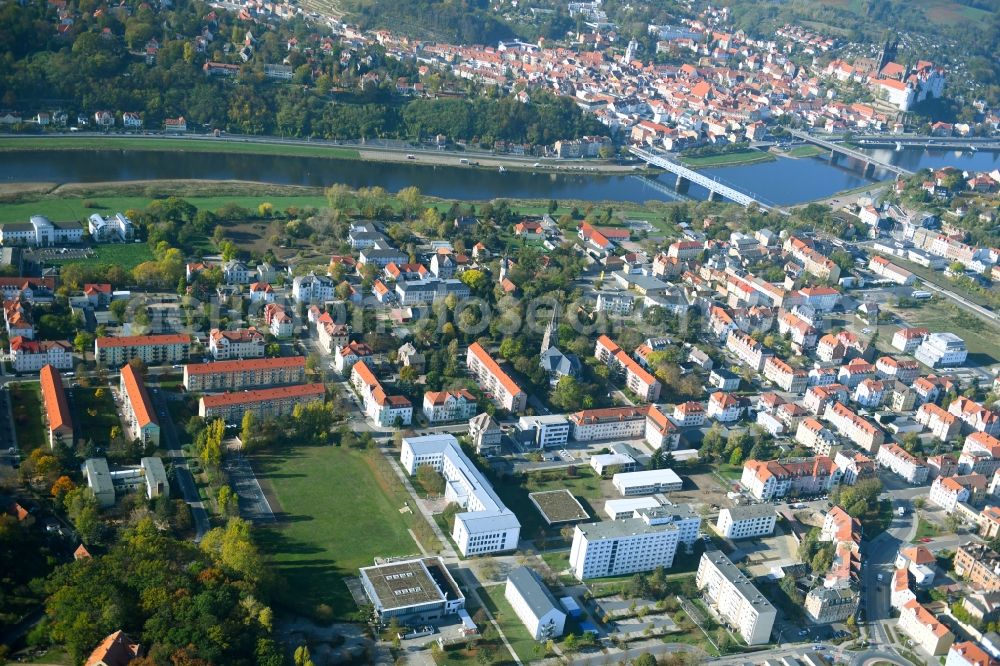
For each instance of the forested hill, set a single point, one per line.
(148, 61)
(454, 21)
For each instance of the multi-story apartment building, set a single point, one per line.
(751, 353)
(724, 407)
(40, 231)
(814, 262)
(924, 628)
(544, 431)
(969, 654)
(870, 393)
(900, 369)
(901, 462)
(312, 288)
(621, 547)
(263, 403)
(746, 521)
(980, 453)
(485, 434)
(504, 391)
(384, 409)
(853, 466)
(608, 423)
(150, 349)
(855, 372)
(818, 397)
(137, 408)
(831, 604)
(689, 414)
(486, 525)
(802, 334)
(238, 375)
(862, 432)
(534, 604)
(890, 271)
(417, 292)
(948, 491)
(637, 379)
(769, 479)
(737, 601)
(457, 405)
(975, 416)
(908, 339)
(241, 343)
(942, 350)
(646, 482)
(942, 424)
(978, 564)
(785, 377)
(812, 435)
(58, 417)
(32, 355)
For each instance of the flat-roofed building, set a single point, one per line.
(421, 589)
(534, 604)
(150, 349)
(263, 403)
(137, 408)
(546, 432)
(942, 350)
(486, 525)
(240, 374)
(646, 482)
(57, 414)
(619, 509)
(621, 547)
(736, 600)
(506, 393)
(746, 521)
(98, 478)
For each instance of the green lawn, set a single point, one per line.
(26, 406)
(925, 529)
(526, 647)
(335, 516)
(939, 314)
(206, 145)
(728, 159)
(96, 416)
(128, 256)
(585, 486)
(808, 150)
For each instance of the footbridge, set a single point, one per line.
(685, 176)
(870, 162)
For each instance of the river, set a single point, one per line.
(783, 181)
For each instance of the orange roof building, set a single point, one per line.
(56, 406)
(504, 391)
(115, 650)
(263, 403)
(140, 415)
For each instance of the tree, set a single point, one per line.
(118, 309)
(474, 279)
(83, 342)
(61, 486)
(430, 479)
(83, 511)
(510, 348)
(248, 430)
(645, 659)
(737, 457)
(228, 501)
(411, 200)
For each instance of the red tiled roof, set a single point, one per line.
(245, 365)
(54, 399)
(138, 397)
(264, 395)
(141, 340)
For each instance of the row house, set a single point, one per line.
(787, 378)
(822, 376)
(813, 261)
(860, 431)
(890, 271)
(769, 479)
(241, 343)
(442, 406)
(345, 357)
(901, 397)
(278, 321)
(28, 289)
(978, 564)
(17, 320)
(943, 464)
(855, 372)
(948, 491)
(32, 355)
(924, 628)
(943, 425)
(932, 387)
(869, 393)
(386, 410)
(904, 370)
(750, 352)
(496, 383)
(720, 322)
(907, 340)
(901, 462)
(264, 404)
(854, 466)
(975, 416)
(802, 334)
(58, 416)
(813, 435)
(980, 453)
(150, 349)
(637, 379)
(237, 375)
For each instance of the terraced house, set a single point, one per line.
(150, 349)
(241, 374)
(769, 479)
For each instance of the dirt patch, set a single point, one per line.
(702, 490)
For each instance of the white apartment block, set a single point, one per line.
(620, 509)
(737, 601)
(890, 271)
(32, 355)
(40, 231)
(769, 479)
(908, 339)
(620, 547)
(751, 353)
(534, 604)
(493, 380)
(942, 350)
(942, 425)
(924, 628)
(746, 522)
(947, 492)
(615, 302)
(114, 228)
(244, 374)
(859, 430)
(813, 435)
(646, 482)
(385, 410)
(486, 525)
(784, 376)
(138, 410)
(312, 288)
(980, 453)
(902, 463)
(442, 406)
(241, 343)
(150, 349)
(548, 431)
(969, 654)
(608, 423)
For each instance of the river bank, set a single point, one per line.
(228, 144)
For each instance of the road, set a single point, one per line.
(183, 475)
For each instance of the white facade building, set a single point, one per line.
(646, 482)
(534, 604)
(621, 547)
(486, 526)
(745, 522)
(735, 598)
(942, 350)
